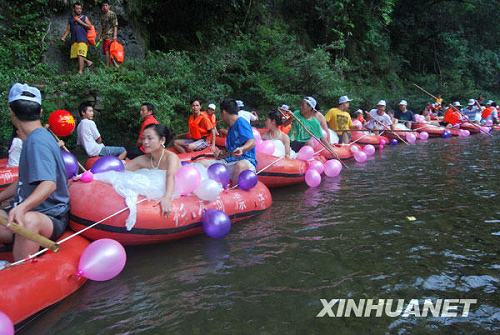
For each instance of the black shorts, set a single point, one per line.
(296, 145)
(59, 223)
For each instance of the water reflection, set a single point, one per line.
(350, 237)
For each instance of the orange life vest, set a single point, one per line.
(116, 51)
(487, 112)
(199, 126)
(451, 116)
(91, 35)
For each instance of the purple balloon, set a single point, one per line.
(70, 163)
(6, 325)
(184, 163)
(394, 141)
(102, 260)
(219, 173)
(216, 224)
(107, 163)
(369, 149)
(446, 134)
(247, 179)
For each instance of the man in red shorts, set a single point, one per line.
(109, 29)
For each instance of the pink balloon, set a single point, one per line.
(360, 156)
(423, 135)
(316, 165)
(102, 260)
(411, 138)
(382, 141)
(369, 150)
(380, 147)
(305, 153)
(466, 132)
(485, 129)
(489, 123)
(256, 134)
(87, 177)
(354, 148)
(332, 168)
(6, 325)
(357, 124)
(266, 147)
(313, 178)
(187, 179)
(314, 143)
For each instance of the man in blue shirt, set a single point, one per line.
(41, 197)
(240, 143)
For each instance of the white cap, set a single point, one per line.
(240, 103)
(311, 102)
(284, 107)
(471, 102)
(381, 103)
(212, 106)
(16, 93)
(457, 104)
(344, 99)
(403, 102)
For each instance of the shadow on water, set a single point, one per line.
(349, 238)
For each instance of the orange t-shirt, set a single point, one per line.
(212, 118)
(452, 116)
(199, 126)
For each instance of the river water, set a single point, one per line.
(353, 237)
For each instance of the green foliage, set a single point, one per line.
(263, 52)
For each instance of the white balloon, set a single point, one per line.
(208, 190)
(334, 138)
(201, 169)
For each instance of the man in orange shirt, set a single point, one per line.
(200, 128)
(147, 117)
(490, 113)
(452, 115)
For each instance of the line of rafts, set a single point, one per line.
(30, 287)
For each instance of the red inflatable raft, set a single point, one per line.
(95, 201)
(362, 137)
(8, 175)
(433, 131)
(284, 172)
(30, 287)
(473, 128)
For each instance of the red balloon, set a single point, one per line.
(61, 122)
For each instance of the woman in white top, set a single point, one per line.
(273, 121)
(156, 136)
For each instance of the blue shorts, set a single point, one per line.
(111, 151)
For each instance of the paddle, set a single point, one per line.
(475, 125)
(426, 92)
(30, 235)
(64, 146)
(312, 135)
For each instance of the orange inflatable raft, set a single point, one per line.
(433, 131)
(8, 175)
(473, 128)
(28, 288)
(92, 202)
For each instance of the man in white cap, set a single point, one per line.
(472, 112)
(339, 119)
(379, 119)
(40, 197)
(210, 114)
(490, 113)
(404, 115)
(307, 117)
(249, 116)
